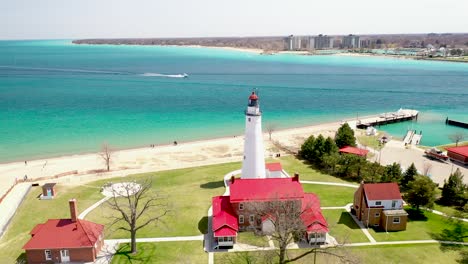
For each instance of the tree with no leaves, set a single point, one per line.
(136, 206)
(457, 137)
(270, 128)
(287, 225)
(106, 155)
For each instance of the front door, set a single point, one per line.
(64, 255)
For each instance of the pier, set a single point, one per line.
(456, 123)
(389, 118)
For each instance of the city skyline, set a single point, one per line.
(54, 19)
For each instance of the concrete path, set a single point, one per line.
(92, 207)
(158, 239)
(430, 241)
(331, 183)
(333, 207)
(361, 225)
(11, 202)
(444, 214)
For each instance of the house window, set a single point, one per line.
(394, 204)
(377, 214)
(378, 203)
(249, 119)
(396, 220)
(220, 239)
(241, 219)
(241, 206)
(251, 218)
(48, 254)
(229, 239)
(376, 224)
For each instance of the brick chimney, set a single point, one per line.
(296, 177)
(73, 210)
(233, 179)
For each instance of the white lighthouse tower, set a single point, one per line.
(253, 166)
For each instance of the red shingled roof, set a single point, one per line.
(265, 189)
(312, 214)
(355, 151)
(224, 219)
(63, 233)
(462, 150)
(382, 191)
(273, 166)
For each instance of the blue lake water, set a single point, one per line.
(58, 98)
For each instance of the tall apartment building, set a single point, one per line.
(351, 42)
(293, 42)
(323, 42)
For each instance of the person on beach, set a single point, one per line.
(25, 162)
(175, 143)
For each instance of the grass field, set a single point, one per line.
(395, 254)
(425, 226)
(162, 252)
(251, 239)
(331, 195)
(342, 227)
(190, 191)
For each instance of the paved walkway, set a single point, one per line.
(92, 207)
(11, 202)
(331, 183)
(361, 225)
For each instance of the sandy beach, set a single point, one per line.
(86, 167)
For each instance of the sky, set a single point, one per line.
(72, 19)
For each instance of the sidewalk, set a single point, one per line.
(11, 202)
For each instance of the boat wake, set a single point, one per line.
(150, 74)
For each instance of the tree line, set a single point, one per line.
(323, 154)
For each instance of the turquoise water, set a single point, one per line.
(59, 98)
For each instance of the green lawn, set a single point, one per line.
(369, 141)
(342, 227)
(162, 252)
(251, 239)
(306, 172)
(411, 254)
(331, 195)
(189, 191)
(429, 226)
(34, 211)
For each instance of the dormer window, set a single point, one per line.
(378, 203)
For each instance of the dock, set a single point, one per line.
(456, 123)
(389, 118)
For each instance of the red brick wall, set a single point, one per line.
(76, 255)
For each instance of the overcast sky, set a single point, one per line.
(69, 19)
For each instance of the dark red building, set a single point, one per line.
(458, 154)
(354, 151)
(65, 240)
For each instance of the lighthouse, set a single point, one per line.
(253, 165)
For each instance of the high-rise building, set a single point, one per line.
(295, 43)
(351, 42)
(323, 42)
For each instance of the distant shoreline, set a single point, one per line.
(301, 52)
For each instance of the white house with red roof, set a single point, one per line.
(65, 240)
(380, 205)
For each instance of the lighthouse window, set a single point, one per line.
(249, 119)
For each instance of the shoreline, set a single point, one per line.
(80, 168)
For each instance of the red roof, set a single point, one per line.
(312, 214)
(355, 151)
(265, 189)
(382, 191)
(63, 233)
(273, 166)
(462, 150)
(253, 96)
(224, 219)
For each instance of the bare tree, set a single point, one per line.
(270, 128)
(106, 155)
(137, 206)
(288, 224)
(457, 137)
(426, 169)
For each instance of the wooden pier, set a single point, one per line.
(389, 118)
(456, 123)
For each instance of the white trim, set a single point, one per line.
(396, 218)
(48, 256)
(251, 219)
(241, 219)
